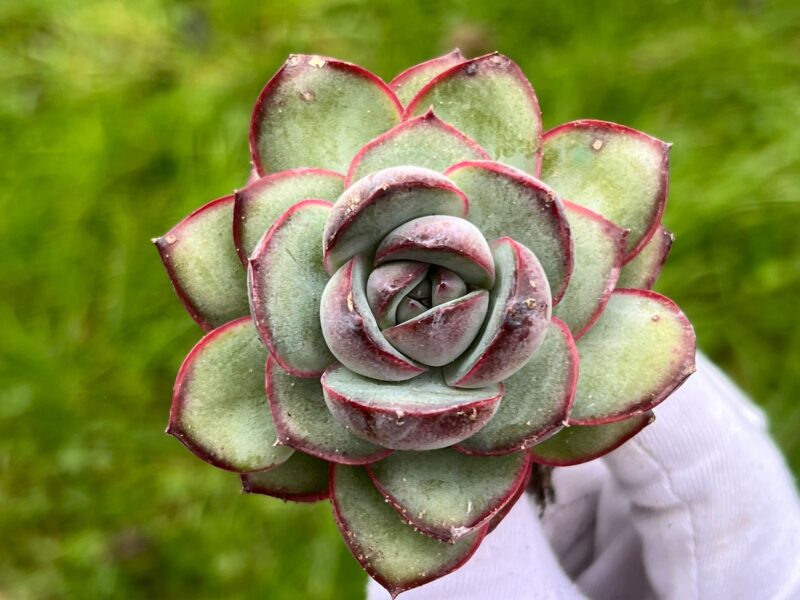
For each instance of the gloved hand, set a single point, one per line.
(699, 505)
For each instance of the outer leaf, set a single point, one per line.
(412, 80)
(446, 494)
(490, 100)
(424, 141)
(394, 554)
(421, 414)
(537, 399)
(450, 242)
(516, 322)
(508, 202)
(581, 443)
(644, 269)
(506, 508)
(614, 170)
(441, 334)
(286, 280)
(317, 112)
(599, 248)
(639, 351)
(351, 332)
(302, 478)
(219, 408)
(380, 202)
(200, 259)
(260, 204)
(305, 423)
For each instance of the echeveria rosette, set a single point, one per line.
(418, 294)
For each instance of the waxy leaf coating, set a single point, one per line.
(581, 443)
(643, 270)
(387, 285)
(599, 250)
(317, 112)
(351, 332)
(412, 80)
(446, 494)
(284, 304)
(421, 414)
(516, 323)
(449, 242)
(613, 170)
(638, 352)
(446, 286)
(302, 478)
(197, 254)
(505, 202)
(394, 554)
(260, 204)
(441, 334)
(424, 141)
(304, 422)
(491, 101)
(537, 399)
(382, 201)
(219, 406)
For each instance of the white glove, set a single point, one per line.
(698, 505)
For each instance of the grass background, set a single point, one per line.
(118, 117)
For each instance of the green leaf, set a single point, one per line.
(286, 280)
(424, 141)
(614, 170)
(413, 79)
(393, 553)
(351, 331)
(423, 413)
(382, 201)
(219, 406)
(599, 248)
(317, 112)
(641, 348)
(302, 478)
(507, 202)
(260, 204)
(516, 322)
(201, 261)
(644, 269)
(446, 494)
(537, 398)
(305, 423)
(581, 443)
(491, 101)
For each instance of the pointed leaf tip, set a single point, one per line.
(410, 81)
(617, 171)
(317, 112)
(200, 259)
(638, 352)
(423, 141)
(490, 100)
(599, 247)
(394, 554)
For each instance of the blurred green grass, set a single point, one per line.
(117, 118)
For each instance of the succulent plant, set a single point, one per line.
(418, 295)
